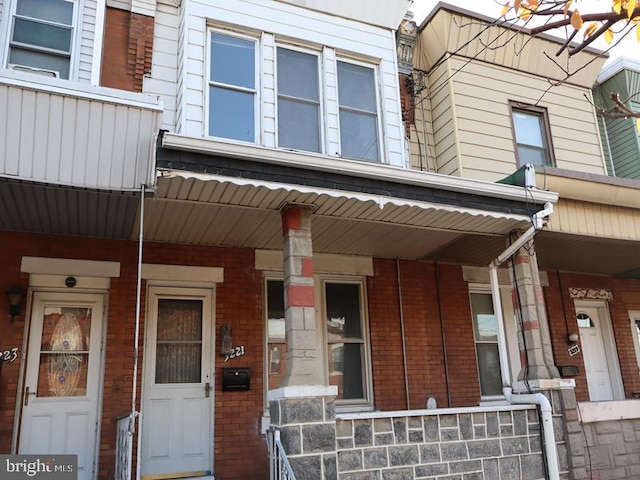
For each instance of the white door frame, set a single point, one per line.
(159, 291)
(33, 295)
(608, 339)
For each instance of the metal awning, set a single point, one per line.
(210, 209)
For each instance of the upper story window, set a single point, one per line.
(532, 136)
(358, 112)
(232, 88)
(298, 100)
(42, 36)
(275, 94)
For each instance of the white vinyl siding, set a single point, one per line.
(164, 72)
(82, 137)
(341, 37)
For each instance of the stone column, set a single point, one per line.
(303, 408)
(304, 365)
(530, 300)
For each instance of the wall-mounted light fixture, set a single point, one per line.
(14, 299)
(573, 337)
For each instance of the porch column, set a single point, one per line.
(302, 409)
(304, 365)
(536, 352)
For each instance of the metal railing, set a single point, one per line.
(279, 467)
(124, 447)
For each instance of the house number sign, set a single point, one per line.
(235, 352)
(9, 356)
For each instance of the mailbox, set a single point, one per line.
(234, 379)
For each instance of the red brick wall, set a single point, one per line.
(561, 313)
(423, 334)
(240, 450)
(128, 49)
(464, 386)
(407, 102)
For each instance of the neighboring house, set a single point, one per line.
(232, 183)
(487, 105)
(619, 134)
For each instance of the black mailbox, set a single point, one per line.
(235, 379)
(569, 371)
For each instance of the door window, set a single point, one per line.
(179, 341)
(64, 352)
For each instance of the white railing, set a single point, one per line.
(124, 447)
(279, 467)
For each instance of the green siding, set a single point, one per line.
(620, 135)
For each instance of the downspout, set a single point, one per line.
(134, 413)
(538, 220)
(404, 342)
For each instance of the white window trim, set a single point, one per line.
(356, 404)
(321, 94)
(379, 112)
(321, 337)
(8, 17)
(634, 315)
(257, 120)
(511, 342)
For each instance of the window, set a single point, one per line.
(532, 136)
(345, 340)
(634, 316)
(298, 100)
(42, 35)
(347, 364)
(232, 87)
(485, 331)
(584, 320)
(358, 112)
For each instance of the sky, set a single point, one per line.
(628, 47)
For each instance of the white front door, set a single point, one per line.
(62, 381)
(177, 413)
(598, 366)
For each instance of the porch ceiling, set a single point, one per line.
(214, 210)
(555, 251)
(44, 208)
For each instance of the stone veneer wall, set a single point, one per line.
(613, 445)
(447, 444)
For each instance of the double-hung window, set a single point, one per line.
(485, 330)
(358, 112)
(298, 100)
(42, 36)
(532, 136)
(345, 333)
(232, 87)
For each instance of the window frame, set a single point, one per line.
(378, 110)
(257, 87)
(320, 280)
(634, 318)
(511, 340)
(543, 114)
(71, 55)
(358, 404)
(321, 83)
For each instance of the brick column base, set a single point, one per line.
(306, 420)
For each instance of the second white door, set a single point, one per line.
(177, 429)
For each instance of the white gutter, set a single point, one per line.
(538, 221)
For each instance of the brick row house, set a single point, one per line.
(209, 230)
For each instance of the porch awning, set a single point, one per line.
(210, 209)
